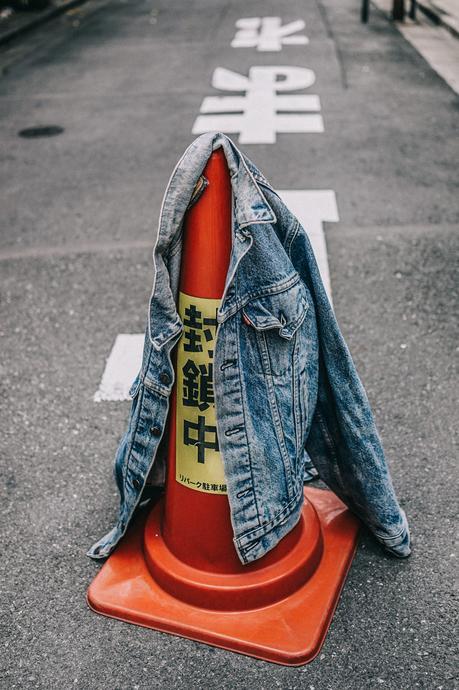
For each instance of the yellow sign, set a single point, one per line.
(198, 460)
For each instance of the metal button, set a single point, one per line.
(165, 378)
(137, 484)
(155, 430)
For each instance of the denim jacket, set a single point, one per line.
(289, 402)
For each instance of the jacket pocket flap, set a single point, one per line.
(284, 311)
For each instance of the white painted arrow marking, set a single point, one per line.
(122, 367)
(313, 208)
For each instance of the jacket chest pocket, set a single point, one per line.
(270, 324)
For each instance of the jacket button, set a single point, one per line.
(155, 430)
(137, 484)
(165, 378)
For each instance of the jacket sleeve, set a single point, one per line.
(343, 442)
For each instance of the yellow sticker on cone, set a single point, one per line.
(198, 460)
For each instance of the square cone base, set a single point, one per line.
(290, 631)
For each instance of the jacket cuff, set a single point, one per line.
(398, 545)
(103, 547)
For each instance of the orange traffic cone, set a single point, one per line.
(177, 570)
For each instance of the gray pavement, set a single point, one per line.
(78, 222)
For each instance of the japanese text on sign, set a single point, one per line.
(199, 464)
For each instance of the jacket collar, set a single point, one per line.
(250, 205)
(250, 208)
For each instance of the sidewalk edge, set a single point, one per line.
(438, 17)
(36, 21)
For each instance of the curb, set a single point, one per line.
(44, 16)
(438, 17)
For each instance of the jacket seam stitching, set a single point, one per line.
(297, 411)
(245, 429)
(134, 433)
(154, 388)
(263, 292)
(276, 416)
(264, 182)
(273, 218)
(326, 433)
(289, 240)
(274, 322)
(128, 519)
(156, 245)
(176, 330)
(393, 537)
(141, 381)
(175, 246)
(246, 537)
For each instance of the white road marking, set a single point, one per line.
(261, 112)
(122, 367)
(312, 207)
(267, 34)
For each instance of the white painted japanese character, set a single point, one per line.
(267, 34)
(259, 114)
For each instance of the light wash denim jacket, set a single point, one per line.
(288, 399)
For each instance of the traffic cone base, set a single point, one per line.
(279, 613)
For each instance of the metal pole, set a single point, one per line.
(398, 10)
(364, 11)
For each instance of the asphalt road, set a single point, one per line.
(126, 80)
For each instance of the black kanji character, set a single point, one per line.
(193, 317)
(201, 440)
(193, 323)
(211, 322)
(208, 321)
(190, 384)
(198, 389)
(192, 341)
